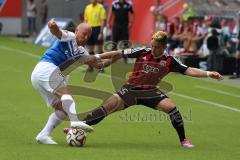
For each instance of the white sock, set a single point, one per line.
(53, 121)
(68, 105)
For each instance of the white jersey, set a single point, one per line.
(64, 50)
(47, 76)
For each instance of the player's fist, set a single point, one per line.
(215, 75)
(52, 25)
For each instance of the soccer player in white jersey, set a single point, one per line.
(48, 80)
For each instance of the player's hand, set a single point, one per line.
(99, 64)
(52, 25)
(215, 75)
(100, 36)
(90, 60)
(54, 29)
(94, 62)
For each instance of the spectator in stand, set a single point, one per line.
(178, 30)
(161, 23)
(188, 43)
(44, 12)
(225, 29)
(156, 9)
(202, 33)
(171, 31)
(31, 15)
(236, 74)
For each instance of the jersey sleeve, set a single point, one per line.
(83, 51)
(177, 66)
(135, 52)
(67, 36)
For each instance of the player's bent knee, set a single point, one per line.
(117, 97)
(166, 105)
(113, 104)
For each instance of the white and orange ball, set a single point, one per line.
(76, 137)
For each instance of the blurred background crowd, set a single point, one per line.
(199, 30)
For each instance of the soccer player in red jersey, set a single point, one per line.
(152, 64)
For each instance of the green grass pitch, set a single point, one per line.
(212, 118)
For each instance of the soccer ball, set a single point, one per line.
(76, 137)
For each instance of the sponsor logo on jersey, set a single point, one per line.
(147, 68)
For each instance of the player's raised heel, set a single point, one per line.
(82, 125)
(186, 144)
(45, 140)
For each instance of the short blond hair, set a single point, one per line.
(161, 37)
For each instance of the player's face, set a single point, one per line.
(82, 36)
(157, 48)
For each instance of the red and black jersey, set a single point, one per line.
(149, 70)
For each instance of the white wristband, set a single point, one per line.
(97, 56)
(127, 51)
(208, 74)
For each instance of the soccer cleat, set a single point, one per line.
(81, 125)
(186, 144)
(45, 140)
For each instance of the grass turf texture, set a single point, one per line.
(129, 134)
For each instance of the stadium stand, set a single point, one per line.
(225, 8)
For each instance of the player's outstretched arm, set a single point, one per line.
(114, 55)
(54, 29)
(195, 72)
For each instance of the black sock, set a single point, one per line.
(177, 123)
(95, 116)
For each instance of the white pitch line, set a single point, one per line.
(218, 91)
(105, 75)
(18, 51)
(206, 101)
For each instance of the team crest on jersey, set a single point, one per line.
(2, 2)
(66, 52)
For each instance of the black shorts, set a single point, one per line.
(139, 96)
(120, 33)
(93, 40)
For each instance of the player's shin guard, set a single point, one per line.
(177, 123)
(96, 116)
